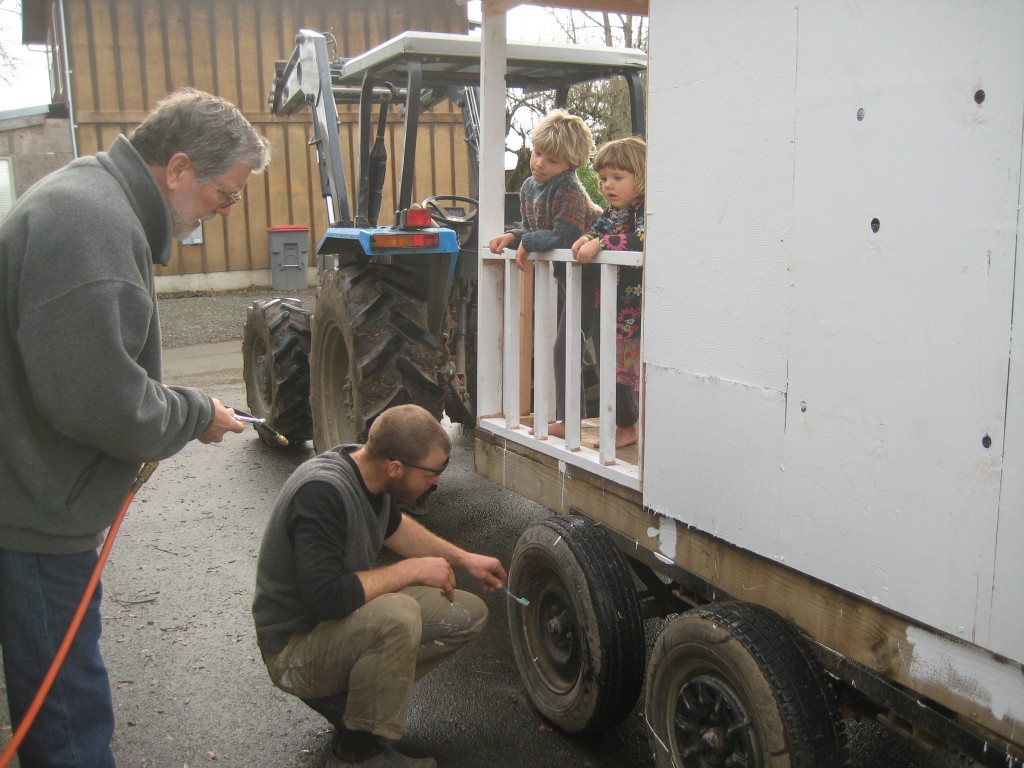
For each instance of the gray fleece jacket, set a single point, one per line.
(81, 403)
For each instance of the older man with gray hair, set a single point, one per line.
(82, 402)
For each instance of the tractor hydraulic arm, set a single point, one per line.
(306, 80)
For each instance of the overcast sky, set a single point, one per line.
(31, 83)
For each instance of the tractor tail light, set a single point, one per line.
(414, 218)
(406, 240)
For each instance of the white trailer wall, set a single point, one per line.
(822, 393)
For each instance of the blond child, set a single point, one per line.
(556, 210)
(621, 168)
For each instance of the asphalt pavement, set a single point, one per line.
(190, 688)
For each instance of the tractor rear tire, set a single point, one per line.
(460, 396)
(275, 366)
(371, 350)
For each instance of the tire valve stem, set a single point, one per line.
(520, 600)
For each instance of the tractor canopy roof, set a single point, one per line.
(454, 60)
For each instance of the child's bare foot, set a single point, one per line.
(624, 436)
(555, 429)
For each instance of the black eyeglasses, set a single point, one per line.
(431, 470)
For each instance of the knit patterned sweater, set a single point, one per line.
(555, 213)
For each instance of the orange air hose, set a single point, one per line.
(76, 621)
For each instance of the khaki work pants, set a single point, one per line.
(366, 663)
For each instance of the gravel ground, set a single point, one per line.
(205, 317)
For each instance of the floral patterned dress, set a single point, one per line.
(622, 229)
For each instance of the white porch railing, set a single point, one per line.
(508, 423)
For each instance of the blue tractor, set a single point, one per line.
(395, 314)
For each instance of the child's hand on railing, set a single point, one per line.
(585, 249)
(501, 242)
(522, 258)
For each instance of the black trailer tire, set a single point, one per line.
(275, 367)
(735, 684)
(371, 350)
(579, 644)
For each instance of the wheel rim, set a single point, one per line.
(336, 403)
(262, 376)
(551, 632)
(711, 726)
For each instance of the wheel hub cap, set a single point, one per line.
(712, 727)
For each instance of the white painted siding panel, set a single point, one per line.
(1008, 595)
(720, 189)
(720, 173)
(900, 337)
(719, 469)
(888, 351)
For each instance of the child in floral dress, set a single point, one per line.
(621, 168)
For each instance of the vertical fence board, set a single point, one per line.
(151, 54)
(127, 54)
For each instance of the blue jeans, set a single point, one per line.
(38, 598)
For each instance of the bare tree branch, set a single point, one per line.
(9, 61)
(603, 105)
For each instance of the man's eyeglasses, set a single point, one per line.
(227, 198)
(431, 470)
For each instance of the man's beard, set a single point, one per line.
(401, 492)
(183, 223)
(181, 230)
(422, 498)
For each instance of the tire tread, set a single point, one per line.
(814, 732)
(284, 329)
(619, 672)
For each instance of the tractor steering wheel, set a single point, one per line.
(441, 215)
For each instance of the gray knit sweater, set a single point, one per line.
(81, 403)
